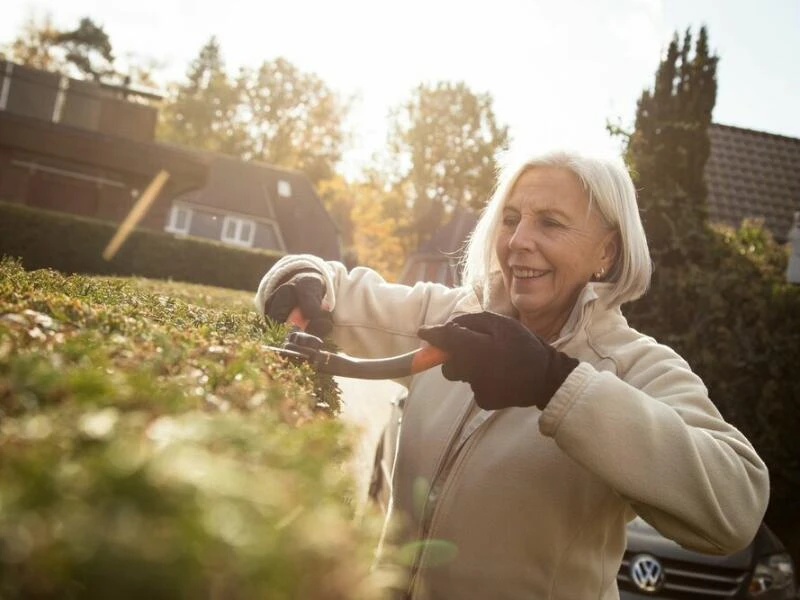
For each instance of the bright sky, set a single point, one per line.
(557, 69)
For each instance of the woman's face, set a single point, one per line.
(549, 245)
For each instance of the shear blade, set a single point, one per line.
(286, 353)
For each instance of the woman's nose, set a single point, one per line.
(523, 238)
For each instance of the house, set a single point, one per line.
(753, 174)
(89, 149)
(82, 148)
(438, 258)
(256, 205)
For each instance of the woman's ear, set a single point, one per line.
(611, 247)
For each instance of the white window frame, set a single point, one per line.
(172, 226)
(284, 188)
(237, 238)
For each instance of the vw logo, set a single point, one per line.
(647, 573)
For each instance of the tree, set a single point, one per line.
(667, 153)
(449, 137)
(669, 147)
(275, 114)
(203, 110)
(293, 119)
(336, 194)
(367, 223)
(140, 71)
(718, 296)
(35, 46)
(88, 50)
(376, 242)
(83, 53)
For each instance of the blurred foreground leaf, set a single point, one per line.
(151, 448)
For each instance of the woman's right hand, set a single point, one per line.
(504, 363)
(304, 291)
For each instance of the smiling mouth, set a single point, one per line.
(523, 273)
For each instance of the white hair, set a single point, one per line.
(609, 188)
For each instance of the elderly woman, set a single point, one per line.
(553, 422)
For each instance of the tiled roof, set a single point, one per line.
(752, 174)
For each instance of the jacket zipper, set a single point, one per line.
(427, 515)
(446, 464)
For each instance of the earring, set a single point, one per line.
(600, 273)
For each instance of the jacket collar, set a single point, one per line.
(592, 298)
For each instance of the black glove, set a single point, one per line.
(504, 362)
(305, 292)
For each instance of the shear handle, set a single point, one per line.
(393, 367)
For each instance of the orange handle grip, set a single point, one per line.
(426, 357)
(297, 319)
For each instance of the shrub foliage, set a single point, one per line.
(151, 448)
(718, 296)
(737, 322)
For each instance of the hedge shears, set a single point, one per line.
(302, 346)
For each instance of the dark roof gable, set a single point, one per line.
(451, 238)
(250, 188)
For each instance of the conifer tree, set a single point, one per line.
(669, 148)
(717, 296)
(203, 110)
(88, 49)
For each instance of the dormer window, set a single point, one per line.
(284, 188)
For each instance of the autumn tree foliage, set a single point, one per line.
(447, 137)
(369, 229)
(83, 52)
(35, 45)
(291, 118)
(275, 114)
(203, 110)
(376, 243)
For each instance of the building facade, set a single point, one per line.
(89, 149)
(82, 148)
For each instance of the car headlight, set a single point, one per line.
(773, 572)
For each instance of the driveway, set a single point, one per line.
(366, 405)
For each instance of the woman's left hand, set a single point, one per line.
(505, 363)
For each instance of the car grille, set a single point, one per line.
(689, 581)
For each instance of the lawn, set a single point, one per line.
(151, 447)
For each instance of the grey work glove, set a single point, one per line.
(504, 362)
(305, 291)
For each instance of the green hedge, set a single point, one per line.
(151, 448)
(736, 320)
(73, 244)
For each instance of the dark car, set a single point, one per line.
(656, 567)
(653, 566)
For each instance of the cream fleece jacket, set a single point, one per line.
(534, 503)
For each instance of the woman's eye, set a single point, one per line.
(510, 220)
(551, 223)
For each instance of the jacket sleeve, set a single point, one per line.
(653, 434)
(371, 317)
